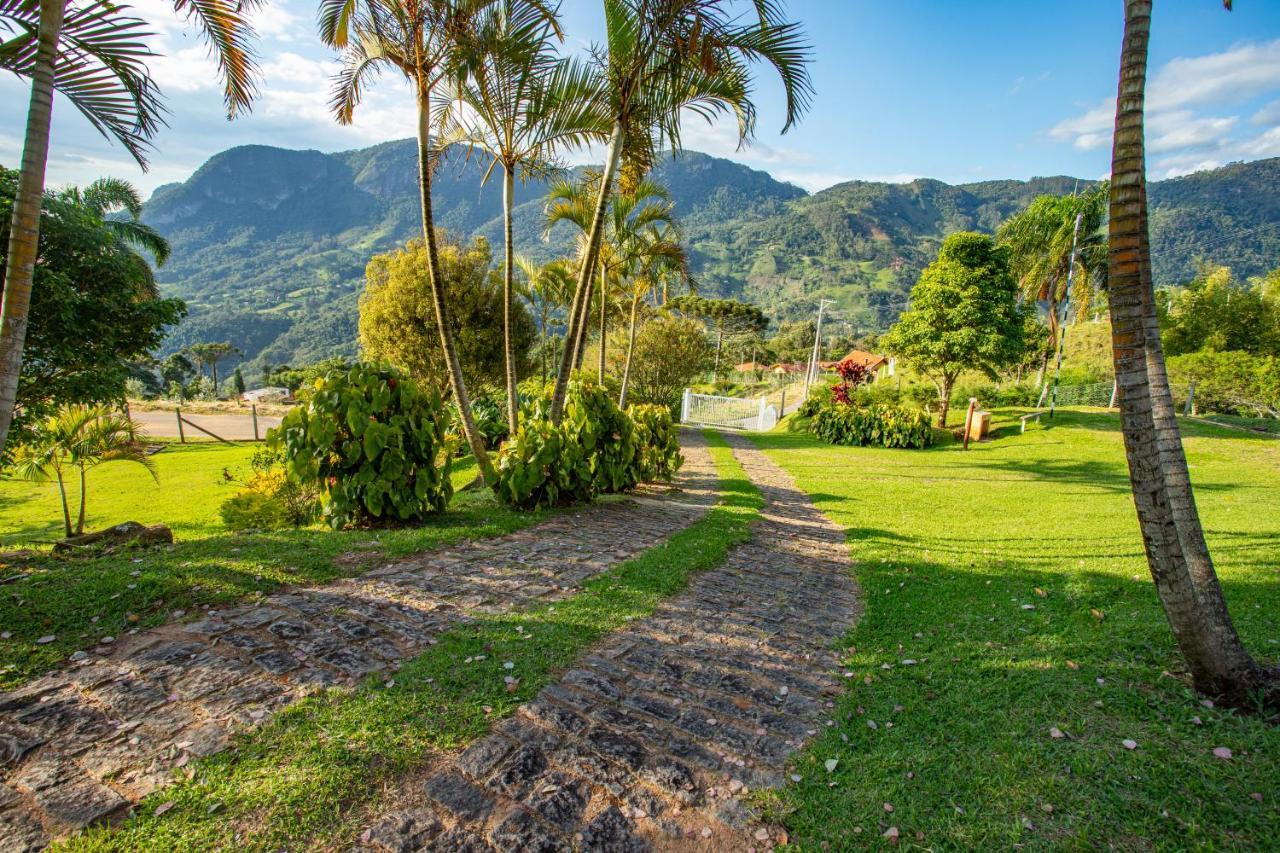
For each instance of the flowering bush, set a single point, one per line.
(373, 443)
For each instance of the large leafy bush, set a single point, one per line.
(591, 451)
(375, 445)
(1229, 382)
(657, 454)
(876, 425)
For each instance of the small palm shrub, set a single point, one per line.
(876, 425)
(373, 443)
(593, 419)
(657, 444)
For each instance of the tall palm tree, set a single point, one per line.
(1042, 241)
(1173, 537)
(658, 258)
(93, 54)
(659, 59)
(74, 440)
(429, 42)
(629, 215)
(521, 104)
(547, 289)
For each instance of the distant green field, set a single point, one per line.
(1007, 596)
(82, 599)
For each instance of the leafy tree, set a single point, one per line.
(295, 378)
(93, 309)
(669, 353)
(964, 315)
(1177, 553)
(74, 440)
(428, 42)
(94, 55)
(661, 60)
(237, 383)
(177, 370)
(397, 319)
(1216, 313)
(655, 258)
(724, 315)
(520, 103)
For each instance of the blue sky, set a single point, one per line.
(961, 91)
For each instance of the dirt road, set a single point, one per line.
(232, 427)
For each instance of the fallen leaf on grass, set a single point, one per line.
(1097, 614)
(891, 834)
(1040, 592)
(1072, 665)
(1056, 733)
(830, 764)
(1129, 744)
(164, 807)
(1222, 752)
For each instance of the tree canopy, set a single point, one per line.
(964, 315)
(1216, 312)
(397, 319)
(93, 307)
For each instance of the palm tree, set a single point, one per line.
(74, 440)
(547, 290)
(519, 103)
(429, 42)
(1177, 553)
(1042, 241)
(629, 215)
(106, 197)
(661, 58)
(659, 258)
(95, 56)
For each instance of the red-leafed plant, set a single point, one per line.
(852, 375)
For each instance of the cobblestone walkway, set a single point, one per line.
(82, 744)
(653, 740)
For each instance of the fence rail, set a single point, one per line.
(730, 412)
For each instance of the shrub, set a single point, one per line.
(657, 445)
(591, 451)
(373, 443)
(877, 425)
(1230, 382)
(490, 417)
(270, 499)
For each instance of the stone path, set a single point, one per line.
(651, 742)
(82, 744)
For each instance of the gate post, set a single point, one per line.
(760, 417)
(684, 407)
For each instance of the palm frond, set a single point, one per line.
(225, 27)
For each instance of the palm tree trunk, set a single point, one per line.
(631, 348)
(582, 293)
(80, 518)
(24, 229)
(508, 282)
(1172, 535)
(434, 280)
(604, 319)
(66, 508)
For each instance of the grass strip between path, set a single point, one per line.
(312, 775)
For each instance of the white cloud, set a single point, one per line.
(1179, 131)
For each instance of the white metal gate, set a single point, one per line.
(731, 412)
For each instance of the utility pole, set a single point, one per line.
(1062, 324)
(811, 375)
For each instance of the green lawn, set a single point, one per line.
(1007, 596)
(312, 777)
(79, 600)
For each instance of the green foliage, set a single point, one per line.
(398, 321)
(872, 426)
(1231, 382)
(93, 308)
(270, 499)
(373, 443)
(296, 378)
(657, 457)
(964, 314)
(592, 451)
(1217, 313)
(490, 419)
(670, 353)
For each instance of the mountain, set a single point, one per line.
(269, 244)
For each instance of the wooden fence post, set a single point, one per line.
(1191, 400)
(253, 407)
(968, 420)
(182, 436)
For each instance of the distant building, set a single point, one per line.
(787, 368)
(270, 394)
(878, 366)
(751, 367)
